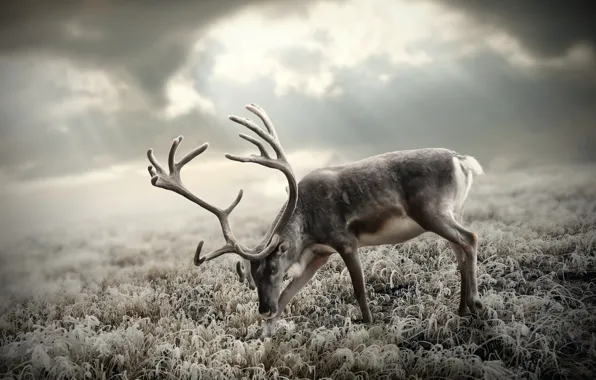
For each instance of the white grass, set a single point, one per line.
(120, 299)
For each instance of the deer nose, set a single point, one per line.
(264, 310)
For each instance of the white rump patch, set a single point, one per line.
(463, 184)
(472, 165)
(464, 177)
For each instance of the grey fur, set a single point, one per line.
(384, 199)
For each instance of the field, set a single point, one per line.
(120, 298)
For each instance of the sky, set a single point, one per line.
(88, 86)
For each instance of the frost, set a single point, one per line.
(120, 298)
(40, 358)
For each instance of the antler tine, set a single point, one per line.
(262, 134)
(191, 155)
(280, 163)
(172, 154)
(232, 245)
(257, 143)
(238, 249)
(265, 161)
(171, 181)
(227, 211)
(260, 112)
(198, 260)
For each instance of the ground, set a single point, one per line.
(120, 298)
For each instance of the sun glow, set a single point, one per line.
(331, 33)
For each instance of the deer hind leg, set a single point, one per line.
(292, 289)
(461, 259)
(467, 243)
(350, 257)
(445, 225)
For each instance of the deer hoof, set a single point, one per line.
(463, 310)
(475, 306)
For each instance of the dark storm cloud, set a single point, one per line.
(141, 46)
(546, 27)
(145, 42)
(481, 105)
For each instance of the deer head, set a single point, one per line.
(268, 259)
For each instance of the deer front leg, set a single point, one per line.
(352, 261)
(291, 290)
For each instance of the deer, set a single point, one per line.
(384, 199)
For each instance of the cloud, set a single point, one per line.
(301, 53)
(546, 30)
(88, 87)
(184, 98)
(304, 53)
(93, 85)
(144, 44)
(479, 104)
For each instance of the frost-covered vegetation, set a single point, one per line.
(120, 299)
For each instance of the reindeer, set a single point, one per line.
(389, 198)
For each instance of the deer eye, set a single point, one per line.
(273, 267)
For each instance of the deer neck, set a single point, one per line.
(297, 238)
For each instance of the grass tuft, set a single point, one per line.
(120, 299)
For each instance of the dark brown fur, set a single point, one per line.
(374, 222)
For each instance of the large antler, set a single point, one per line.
(280, 163)
(172, 182)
